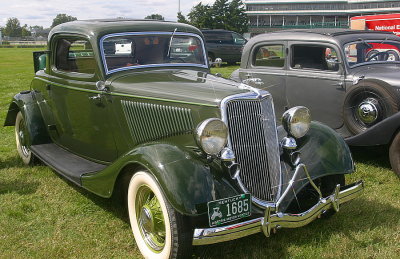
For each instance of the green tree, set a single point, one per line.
(201, 16)
(25, 31)
(155, 16)
(238, 20)
(62, 18)
(220, 14)
(13, 28)
(223, 14)
(182, 18)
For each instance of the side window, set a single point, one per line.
(314, 57)
(238, 40)
(75, 55)
(269, 56)
(219, 37)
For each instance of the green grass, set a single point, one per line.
(43, 216)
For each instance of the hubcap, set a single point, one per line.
(22, 139)
(367, 111)
(150, 219)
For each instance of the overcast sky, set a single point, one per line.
(41, 12)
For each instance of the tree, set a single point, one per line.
(62, 18)
(238, 20)
(182, 18)
(13, 28)
(25, 31)
(223, 14)
(201, 16)
(155, 16)
(220, 14)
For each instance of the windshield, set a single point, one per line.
(151, 49)
(369, 51)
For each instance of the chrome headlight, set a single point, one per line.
(212, 136)
(296, 121)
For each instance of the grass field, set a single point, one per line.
(43, 216)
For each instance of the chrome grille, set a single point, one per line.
(253, 138)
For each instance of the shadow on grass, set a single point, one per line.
(12, 161)
(377, 156)
(358, 216)
(18, 186)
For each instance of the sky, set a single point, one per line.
(42, 13)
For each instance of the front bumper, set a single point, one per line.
(273, 221)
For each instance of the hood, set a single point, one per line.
(388, 73)
(189, 86)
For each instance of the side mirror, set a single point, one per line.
(39, 60)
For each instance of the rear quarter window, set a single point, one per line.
(269, 56)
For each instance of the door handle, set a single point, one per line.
(255, 81)
(95, 97)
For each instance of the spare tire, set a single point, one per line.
(367, 104)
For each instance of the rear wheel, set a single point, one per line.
(394, 154)
(364, 106)
(22, 139)
(159, 230)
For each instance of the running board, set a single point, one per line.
(65, 163)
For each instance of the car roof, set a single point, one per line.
(336, 35)
(100, 27)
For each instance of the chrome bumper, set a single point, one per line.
(271, 222)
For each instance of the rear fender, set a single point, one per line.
(24, 102)
(188, 181)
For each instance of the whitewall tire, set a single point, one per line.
(155, 224)
(22, 139)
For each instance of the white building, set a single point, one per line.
(267, 15)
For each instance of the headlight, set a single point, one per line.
(212, 136)
(296, 121)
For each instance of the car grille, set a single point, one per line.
(253, 138)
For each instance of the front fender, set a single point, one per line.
(323, 151)
(380, 134)
(188, 181)
(25, 102)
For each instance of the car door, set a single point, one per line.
(80, 111)
(266, 69)
(315, 79)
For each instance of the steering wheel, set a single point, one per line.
(382, 56)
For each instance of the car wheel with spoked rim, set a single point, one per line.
(22, 139)
(159, 230)
(366, 105)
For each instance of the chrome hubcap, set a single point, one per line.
(367, 111)
(22, 139)
(150, 219)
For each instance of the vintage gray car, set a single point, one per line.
(349, 80)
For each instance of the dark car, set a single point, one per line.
(227, 45)
(349, 80)
(129, 108)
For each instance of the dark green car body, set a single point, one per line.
(146, 117)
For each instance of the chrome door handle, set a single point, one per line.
(95, 97)
(255, 81)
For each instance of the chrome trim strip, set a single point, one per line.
(271, 222)
(204, 65)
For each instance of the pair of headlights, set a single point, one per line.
(212, 134)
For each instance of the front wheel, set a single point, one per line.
(159, 230)
(22, 140)
(394, 154)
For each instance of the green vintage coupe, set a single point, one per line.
(128, 107)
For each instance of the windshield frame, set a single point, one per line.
(204, 65)
(369, 41)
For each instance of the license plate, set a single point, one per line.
(229, 209)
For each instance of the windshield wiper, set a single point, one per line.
(365, 43)
(170, 42)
